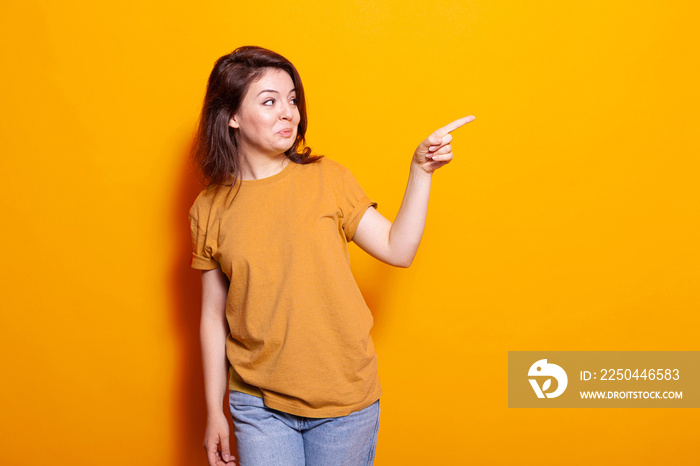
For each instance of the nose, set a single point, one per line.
(287, 112)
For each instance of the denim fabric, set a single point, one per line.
(267, 437)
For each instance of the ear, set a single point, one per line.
(233, 122)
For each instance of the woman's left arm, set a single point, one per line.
(397, 243)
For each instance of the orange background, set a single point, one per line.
(569, 219)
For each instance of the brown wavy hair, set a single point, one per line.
(214, 148)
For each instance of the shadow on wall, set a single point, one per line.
(186, 291)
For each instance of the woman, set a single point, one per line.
(280, 308)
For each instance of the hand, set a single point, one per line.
(217, 433)
(436, 151)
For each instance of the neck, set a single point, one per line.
(255, 168)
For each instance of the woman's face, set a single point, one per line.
(267, 120)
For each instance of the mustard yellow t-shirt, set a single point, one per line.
(299, 326)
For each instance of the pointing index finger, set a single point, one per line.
(454, 125)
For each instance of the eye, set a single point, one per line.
(295, 101)
(269, 100)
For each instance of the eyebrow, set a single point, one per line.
(272, 90)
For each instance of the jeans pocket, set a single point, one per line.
(240, 399)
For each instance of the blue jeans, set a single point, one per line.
(267, 437)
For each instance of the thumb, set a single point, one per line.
(225, 449)
(432, 140)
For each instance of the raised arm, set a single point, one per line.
(397, 243)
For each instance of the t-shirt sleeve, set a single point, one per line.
(202, 249)
(354, 202)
